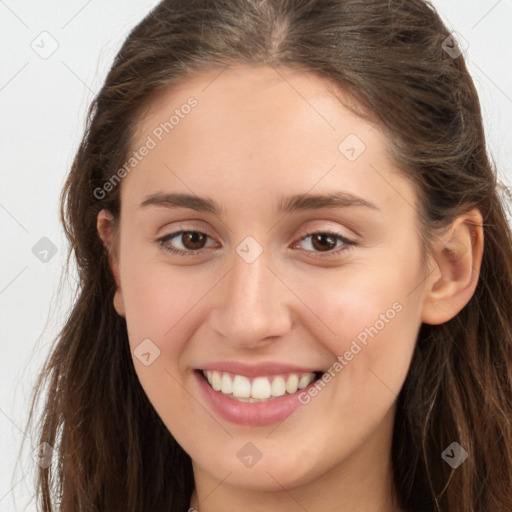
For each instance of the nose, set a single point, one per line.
(252, 305)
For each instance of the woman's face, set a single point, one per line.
(300, 254)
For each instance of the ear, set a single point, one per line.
(456, 268)
(107, 232)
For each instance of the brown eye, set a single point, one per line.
(193, 240)
(322, 244)
(323, 241)
(183, 242)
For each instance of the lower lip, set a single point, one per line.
(255, 414)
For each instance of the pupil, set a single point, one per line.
(322, 238)
(190, 237)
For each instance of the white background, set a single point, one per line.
(43, 104)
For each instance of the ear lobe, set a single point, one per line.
(107, 231)
(457, 260)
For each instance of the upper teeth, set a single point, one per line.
(261, 388)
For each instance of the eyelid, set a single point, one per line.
(326, 232)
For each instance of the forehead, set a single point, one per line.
(259, 98)
(261, 127)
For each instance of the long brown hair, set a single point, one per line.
(112, 450)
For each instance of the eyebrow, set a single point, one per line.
(288, 204)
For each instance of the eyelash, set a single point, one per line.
(347, 244)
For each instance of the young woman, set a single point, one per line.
(295, 272)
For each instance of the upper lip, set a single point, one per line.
(256, 370)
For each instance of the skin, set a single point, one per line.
(256, 135)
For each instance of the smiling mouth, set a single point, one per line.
(258, 389)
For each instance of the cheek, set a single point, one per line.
(373, 314)
(158, 298)
(354, 300)
(159, 303)
(376, 320)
